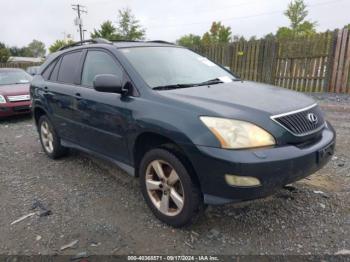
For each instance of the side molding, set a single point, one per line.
(127, 168)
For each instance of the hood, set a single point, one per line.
(241, 95)
(10, 90)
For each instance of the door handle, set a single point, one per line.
(78, 96)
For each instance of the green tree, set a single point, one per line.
(238, 38)
(189, 40)
(15, 51)
(253, 38)
(284, 32)
(206, 39)
(306, 28)
(347, 26)
(270, 36)
(235, 38)
(4, 53)
(58, 44)
(36, 48)
(224, 35)
(107, 31)
(297, 13)
(19, 51)
(128, 27)
(218, 33)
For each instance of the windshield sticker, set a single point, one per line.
(206, 61)
(125, 50)
(225, 79)
(23, 81)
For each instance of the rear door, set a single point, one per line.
(104, 116)
(61, 95)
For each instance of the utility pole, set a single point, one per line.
(80, 9)
(84, 33)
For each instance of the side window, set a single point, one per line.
(69, 68)
(48, 70)
(54, 74)
(98, 62)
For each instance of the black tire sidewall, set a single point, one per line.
(191, 196)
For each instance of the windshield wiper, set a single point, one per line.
(210, 82)
(168, 87)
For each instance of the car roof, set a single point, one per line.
(118, 44)
(125, 44)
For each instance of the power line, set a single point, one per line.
(244, 17)
(80, 9)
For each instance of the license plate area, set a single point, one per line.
(21, 108)
(324, 153)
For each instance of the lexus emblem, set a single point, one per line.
(312, 118)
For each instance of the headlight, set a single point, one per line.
(2, 99)
(236, 134)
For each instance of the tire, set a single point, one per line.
(50, 142)
(176, 213)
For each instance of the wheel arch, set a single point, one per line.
(37, 113)
(149, 140)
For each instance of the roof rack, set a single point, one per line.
(160, 42)
(91, 41)
(125, 40)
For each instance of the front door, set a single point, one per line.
(104, 116)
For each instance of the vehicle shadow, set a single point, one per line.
(286, 210)
(255, 213)
(15, 119)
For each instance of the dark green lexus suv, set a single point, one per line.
(191, 131)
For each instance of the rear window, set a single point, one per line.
(69, 67)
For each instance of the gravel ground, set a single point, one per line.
(102, 208)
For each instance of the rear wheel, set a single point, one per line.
(168, 188)
(49, 139)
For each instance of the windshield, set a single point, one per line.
(9, 77)
(167, 66)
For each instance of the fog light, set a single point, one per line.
(246, 181)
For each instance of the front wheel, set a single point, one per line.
(168, 188)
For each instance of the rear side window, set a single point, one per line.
(54, 74)
(69, 68)
(48, 70)
(96, 63)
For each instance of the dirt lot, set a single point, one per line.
(101, 207)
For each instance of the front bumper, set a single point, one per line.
(274, 167)
(15, 108)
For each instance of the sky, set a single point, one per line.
(21, 21)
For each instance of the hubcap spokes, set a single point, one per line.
(47, 137)
(164, 187)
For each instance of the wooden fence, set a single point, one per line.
(320, 63)
(18, 65)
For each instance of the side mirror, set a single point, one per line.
(108, 83)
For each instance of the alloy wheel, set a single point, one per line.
(46, 137)
(164, 187)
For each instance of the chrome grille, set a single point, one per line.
(18, 98)
(301, 122)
